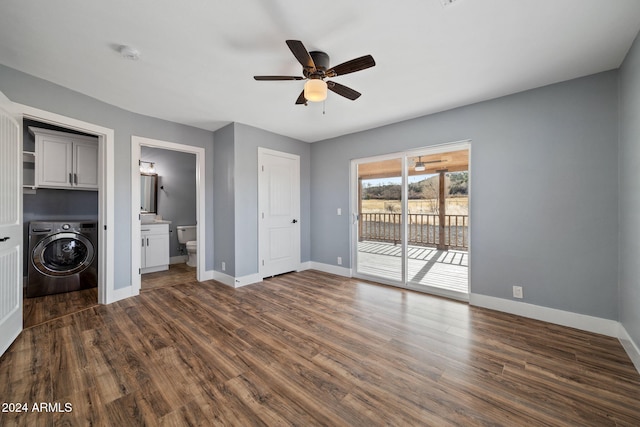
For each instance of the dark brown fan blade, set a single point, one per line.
(278, 78)
(301, 99)
(352, 66)
(342, 90)
(301, 54)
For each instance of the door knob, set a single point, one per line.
(294, 221)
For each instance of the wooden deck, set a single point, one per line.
(447, 270)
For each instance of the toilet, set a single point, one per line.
(187, 235)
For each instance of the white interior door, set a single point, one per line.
(279, 210)
(10, 226)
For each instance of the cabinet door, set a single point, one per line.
(55, 167)
(85, 165)
(157, 250)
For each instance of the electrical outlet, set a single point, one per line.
(339, 211)
(224, 266)
(339, 260)
(517, 291)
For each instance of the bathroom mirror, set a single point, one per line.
(148, 192)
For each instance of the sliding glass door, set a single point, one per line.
(411, 219)
(380, 219)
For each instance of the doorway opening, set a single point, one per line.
(82, 212)
(167, 188)
(411, 226)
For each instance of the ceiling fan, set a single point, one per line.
(420, 166)
(315, 69)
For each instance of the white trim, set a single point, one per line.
(236, 282)
(263, 231)
(106, 216)
(304, 266)
(247, 280)
(225, 279)
(630, 347)
(120, 294)
(136, 143)
(331, 269)
(584, 322)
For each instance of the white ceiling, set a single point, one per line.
(199, 56)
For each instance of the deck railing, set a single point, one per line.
(422, 229)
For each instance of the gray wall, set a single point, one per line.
(247, 141)
(38, 93)
(224, 207)
(543, 191)
(630, 193)
(176, 190)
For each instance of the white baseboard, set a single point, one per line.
(305, 266)
(120, 294)
(247, 280)
(332, 269)
(630, 347)
(560, 317)
(222, 278)
(236, 282)
(208, 275)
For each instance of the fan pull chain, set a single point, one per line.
(324, 104)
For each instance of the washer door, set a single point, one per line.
(62, 254)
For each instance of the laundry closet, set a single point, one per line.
(60, 216)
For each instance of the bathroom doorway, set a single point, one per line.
(167, 198)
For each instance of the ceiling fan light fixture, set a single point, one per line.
(419, 167)
(315, 90)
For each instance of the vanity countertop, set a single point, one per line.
(147, 218)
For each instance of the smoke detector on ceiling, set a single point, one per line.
(129, 52)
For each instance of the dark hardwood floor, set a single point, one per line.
(43, 309)
(177, 274)
(49, 307)
(311, 348)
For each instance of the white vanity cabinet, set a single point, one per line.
(155, 247)
(65, 160)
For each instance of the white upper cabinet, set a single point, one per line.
(65, 160)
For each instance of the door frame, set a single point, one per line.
(106, 195)
(261, 227)
(136, 143)
(404, 155)
(355, 220)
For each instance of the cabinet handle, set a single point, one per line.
(75, 178)
(4, 239)
(143, 242)
(71, 178)
(147, 241)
